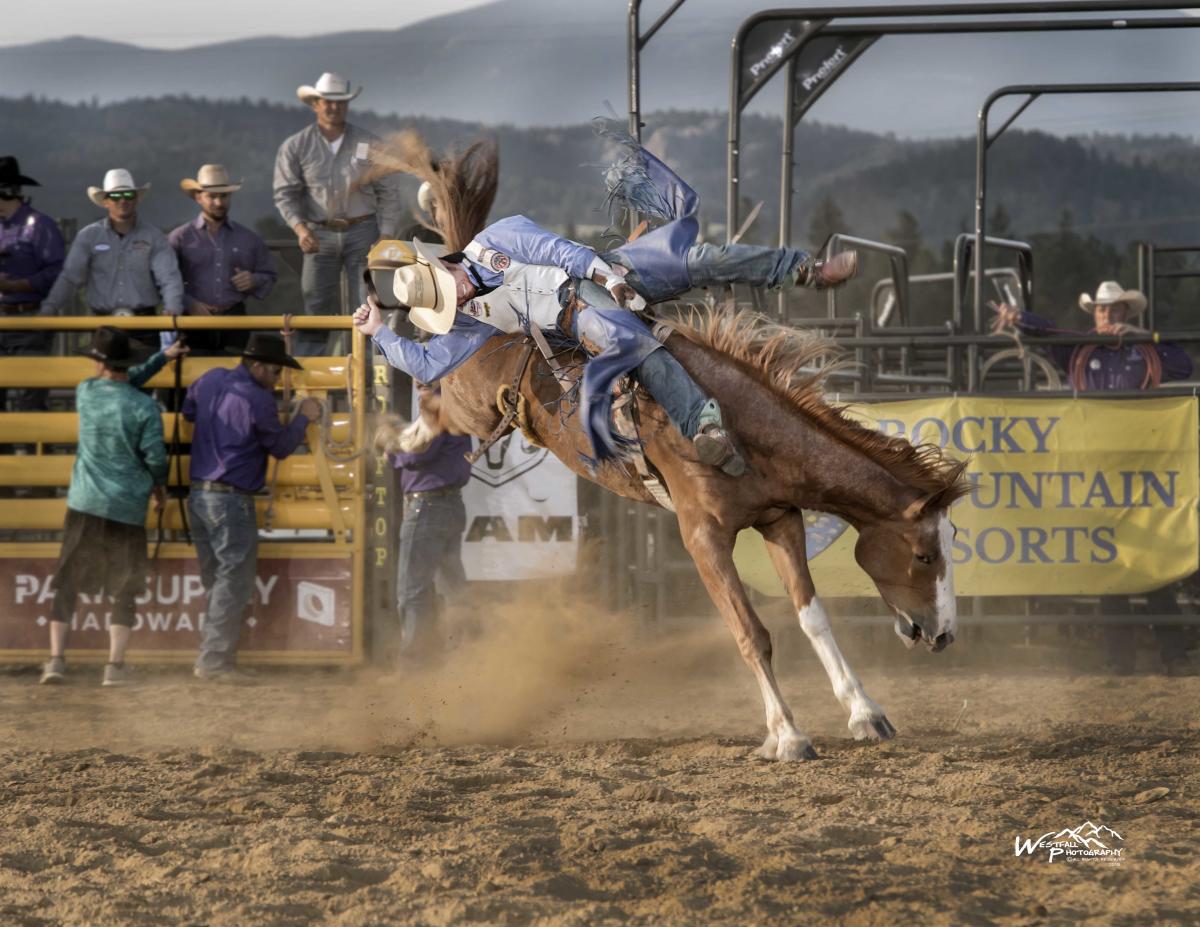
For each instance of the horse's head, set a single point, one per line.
(910, 558)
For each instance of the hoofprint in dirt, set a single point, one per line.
(623, 791)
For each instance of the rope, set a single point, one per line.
(1083, 354)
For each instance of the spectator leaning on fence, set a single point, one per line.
(323, 194)
(236, 426)
(31, 257)
(120, 462)
(1122, 367)
(222, 263)
(127, 264)
(432, 475)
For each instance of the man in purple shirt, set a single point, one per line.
(31, 257)
(236, 426)
(431, 533)
(222, 263)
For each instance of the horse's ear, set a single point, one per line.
(917, 508)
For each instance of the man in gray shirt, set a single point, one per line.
(323, 193)
(128, 265)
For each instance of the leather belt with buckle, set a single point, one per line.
(340, 225)
(448, 491)
(218, 486)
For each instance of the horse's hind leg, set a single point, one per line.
(785, 543)
(712, 550)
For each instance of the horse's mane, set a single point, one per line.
(795, 366)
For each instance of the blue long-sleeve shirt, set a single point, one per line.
(524, 240)
(428, 361)
(1121, 368)
(31, 248)
(237, 426)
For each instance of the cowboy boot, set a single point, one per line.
(821, 275)
(714, 446)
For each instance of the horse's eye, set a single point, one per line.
(926, 558)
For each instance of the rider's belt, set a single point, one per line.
(340, 225)
(447, 491)
(218, 486)
(126, 310)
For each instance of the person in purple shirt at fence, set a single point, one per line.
(236, 426)
(222, 263)
(31, 258)
(1099, 367)
(432, 475)
(1124, 367)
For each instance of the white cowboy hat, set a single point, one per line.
(428, 289)
(118, 180)
(330, 86)
(211, 178)
(1110, 292)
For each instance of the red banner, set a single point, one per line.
(300, 604)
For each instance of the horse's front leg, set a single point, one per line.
(785, 543)
(711, 548)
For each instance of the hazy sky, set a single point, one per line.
(178, 24)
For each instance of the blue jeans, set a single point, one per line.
(662, 375)
(321, 278)
(431, 536)
(225, 529)
(720, 265)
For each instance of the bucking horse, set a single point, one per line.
(801, 453)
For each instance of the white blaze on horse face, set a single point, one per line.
(945, 603)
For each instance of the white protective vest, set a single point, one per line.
(529, 294)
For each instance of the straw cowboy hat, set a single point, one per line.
(211, 178)
(118, 180)
(330, 86)
(1110, 292)
(428, 289)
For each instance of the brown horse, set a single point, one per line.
(802, 454)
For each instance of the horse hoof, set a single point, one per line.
(875, 727)
(769, 748)
(793, 751)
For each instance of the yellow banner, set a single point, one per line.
(1072, 496)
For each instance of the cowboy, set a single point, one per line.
(1121, 367)
(120, 462)
(222, 262)
(236, 426)
(1091, 367)
(432, 475)
(128, 265)
(324, 194)
(31, 257)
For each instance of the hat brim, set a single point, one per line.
(307, 94)
(191, 187)
(283, 360)
(1134, 299)
(439, 319)
(18, 180)
(96, 194)
(140, 352)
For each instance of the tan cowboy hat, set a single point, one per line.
(1110, 292)
(428, 289)
(118, 180)
(211, 178)
(330, 86)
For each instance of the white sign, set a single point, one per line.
(522, 514)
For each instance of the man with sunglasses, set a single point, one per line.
(127, 265)
(222, 262)
(31, 257)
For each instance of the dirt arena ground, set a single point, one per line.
(557, 775)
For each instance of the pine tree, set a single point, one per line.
(825, 220)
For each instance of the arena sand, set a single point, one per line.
(574, 772)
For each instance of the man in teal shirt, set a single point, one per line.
(120, 462)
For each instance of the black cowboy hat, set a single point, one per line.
(112, 347)
(11, 176)
(269, 348)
